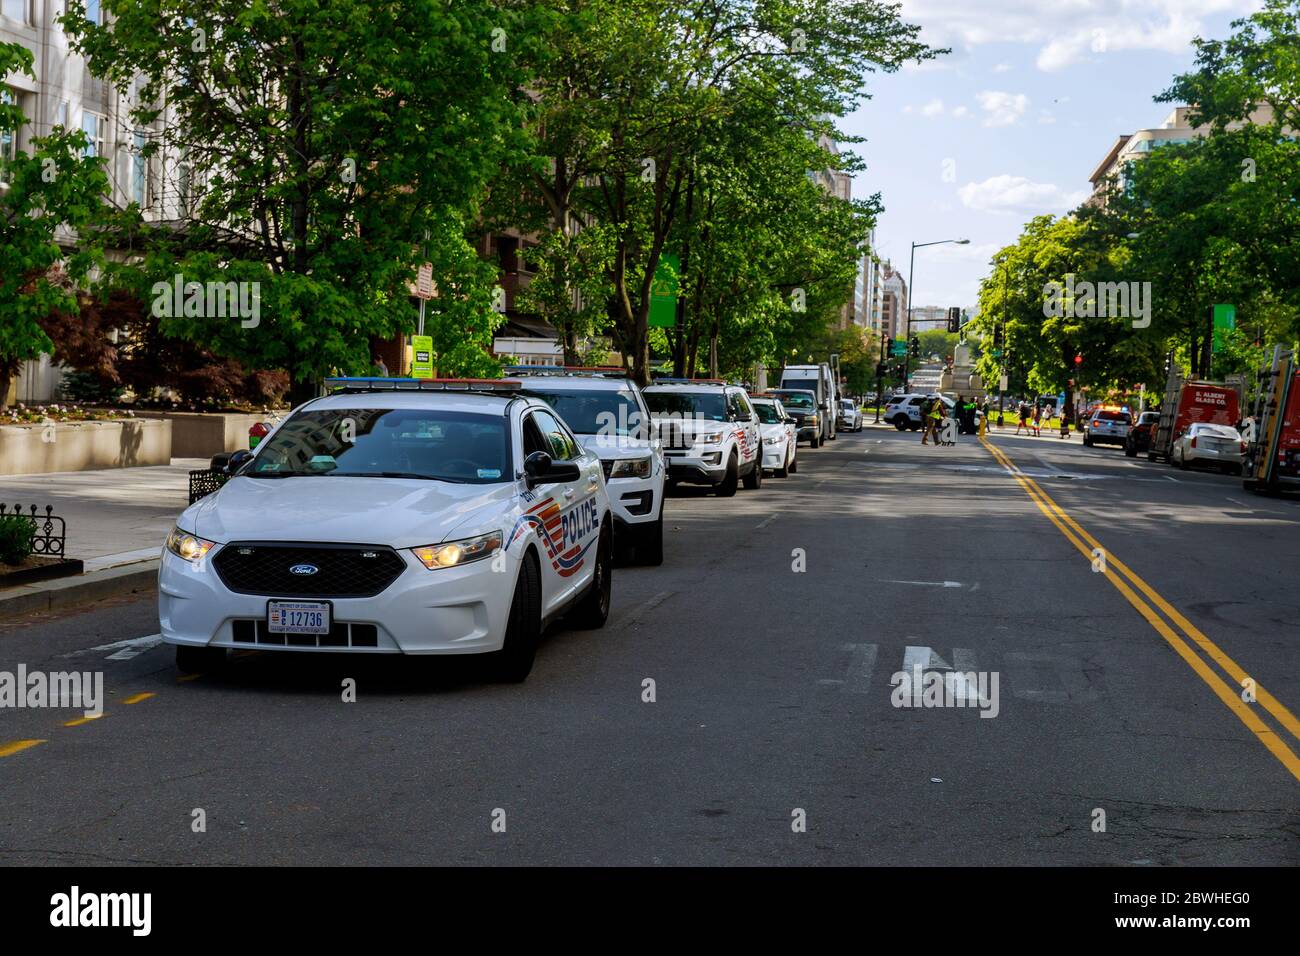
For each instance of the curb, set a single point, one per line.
(69, 592)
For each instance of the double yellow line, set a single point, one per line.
(1232, 697)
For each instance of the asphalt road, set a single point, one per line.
(771, 634)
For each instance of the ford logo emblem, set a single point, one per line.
(303, 569)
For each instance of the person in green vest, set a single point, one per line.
(933, 417)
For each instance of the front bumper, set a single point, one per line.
(635, 501)
(704, 465)
(774, 455)
(448, 611)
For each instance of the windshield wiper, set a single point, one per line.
(279, 474)
(389, 474)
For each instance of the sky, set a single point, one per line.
(1011, 123)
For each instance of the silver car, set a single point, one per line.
(1108, 426)
(1203, 443)
(850, 415)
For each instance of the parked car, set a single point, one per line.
(417, 517)
(1108, 425)
(820, 380)
(850, 416)
(1138, 439)
(780, 435)
(709, 432)
(1205, 443)
(801, 405)
(608, 415)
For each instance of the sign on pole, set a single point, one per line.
(1225, 319)
(424, 281)
(663, 293)
(421, 356)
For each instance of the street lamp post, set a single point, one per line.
(911, 298)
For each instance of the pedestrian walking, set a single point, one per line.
(1038, 420)
(932, 419)
(1023, 412)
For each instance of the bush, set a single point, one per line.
(16, 535)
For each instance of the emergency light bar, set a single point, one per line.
(688, 381)
(354, 385)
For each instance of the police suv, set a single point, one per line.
(710, 433)
(606, 411)
(395, 516)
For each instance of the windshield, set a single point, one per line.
(388, 443)
(596, 411)
(1217, 431)
(810, 384)
(797, 400)
(847, 404)
(767, 413)
(707, 405)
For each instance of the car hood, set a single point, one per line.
(688, 426)
(399, 512)
(614, 446)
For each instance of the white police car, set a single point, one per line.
(607, 413)
(395, 516)
(780, 435)
(710, 433)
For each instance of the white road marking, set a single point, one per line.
(857, 679)
(767, 521)
(1172, 478)
(958, 682)
(123, 650)
(933, 584)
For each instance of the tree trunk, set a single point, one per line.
(6, 378)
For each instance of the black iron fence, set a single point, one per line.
(51, 530)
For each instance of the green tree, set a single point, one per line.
(54, 187)
(329, 156)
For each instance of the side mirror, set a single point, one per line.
(539, 467)
(237, 460)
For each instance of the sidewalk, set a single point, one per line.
(114, 516)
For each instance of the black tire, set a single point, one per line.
(814, 441)
(901, 422)
(1182, 462)
(1087, 442)
(514, 661)
(794, 463)
(754, 480)
(782, 472)
(650, 549)
(197, 660)
(727, 487)
(593, 610)
(1130, 451)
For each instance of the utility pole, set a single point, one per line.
(911, 299)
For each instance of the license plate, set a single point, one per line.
(298, 617)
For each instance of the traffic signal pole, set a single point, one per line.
(885, 342)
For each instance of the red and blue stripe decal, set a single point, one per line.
(545, 518)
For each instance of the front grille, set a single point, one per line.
(342, 571)
(341, 634)
(673, 435)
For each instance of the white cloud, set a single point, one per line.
(1016, 194)
(1004, 109)
(933, 108)
(1002, 68)
(960, 111)
(1071, 32)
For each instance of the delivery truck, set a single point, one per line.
(1188, 402)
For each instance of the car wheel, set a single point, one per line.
(523, 627)
(1182, 461)
(794, 463)
(784, 470)
(196, 660)
(815, 441)
(727, 487)
(901, 422)
(1130, 451)
(593, 610)
(1087, 442)
(754, 480)
(650, 550)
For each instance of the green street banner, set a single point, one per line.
(663, 292)
(421, 356)
(1225, 319)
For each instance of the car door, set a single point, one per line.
(569, 511)
(751, 436)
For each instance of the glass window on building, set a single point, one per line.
(94, 126)
(19, 10)
(139, 168)
(93, 12)
(8, 141)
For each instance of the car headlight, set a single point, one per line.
(772, 441)
(810, 420)
(708, 438)
(188, 546)
(631, 468)
(454, 553)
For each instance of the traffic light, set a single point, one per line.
(887, 346)
(915, 347)
(1078, 360)
(954, 319)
